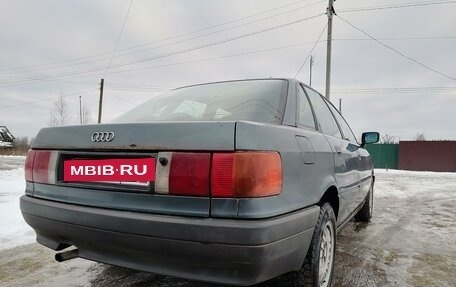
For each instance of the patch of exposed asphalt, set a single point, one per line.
(433, 270)
(407, 243)
(117, 276)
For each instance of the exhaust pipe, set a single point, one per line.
(66, 255)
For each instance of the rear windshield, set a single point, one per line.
(256, 100)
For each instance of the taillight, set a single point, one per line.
(28, 168)
(229, 175)
(181, 173)
(40, 166)
(246, 174)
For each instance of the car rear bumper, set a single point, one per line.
(236, 252)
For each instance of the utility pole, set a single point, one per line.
(80, 111)
(100, 103)
(340, 106)
(330, 12)
(311, 65)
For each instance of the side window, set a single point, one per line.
(325, 119)
(305, 115)
(348, 134)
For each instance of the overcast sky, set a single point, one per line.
(53, 48)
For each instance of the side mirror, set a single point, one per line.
(369, 138)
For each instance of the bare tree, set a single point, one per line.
(59, 113)
(22, 143)
(21, 146)
(389, 139)
(86, 117)
(52, 120)
(420, 137)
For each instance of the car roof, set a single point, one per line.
(237, 80)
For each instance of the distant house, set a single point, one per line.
(6, 138)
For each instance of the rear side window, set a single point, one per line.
(326, 122)
(305, 115)
(348, 134)
(253, 100)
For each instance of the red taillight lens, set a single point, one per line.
(28, 168)
(246, 174)
(189, 174)
(222, 181)
(40, 166)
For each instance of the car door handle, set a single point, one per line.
(338, 149)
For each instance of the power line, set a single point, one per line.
(188, 62)
(243, 53)
(177, 42)
(215, 58)
(250, 16)
(170, 54)
(162, 40)
(398, 89)
(311, 51)
(405, 5)
(61, 81)
(118, 38)
(221, 41)
(246, 53)
(47, 99)
(195, 37)
(399, 38)
(221, 24)
(250, 52)
(398, 52)
(226, 29)
(241, 25)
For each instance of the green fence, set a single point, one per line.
(384, 155)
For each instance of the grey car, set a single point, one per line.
(249, 180)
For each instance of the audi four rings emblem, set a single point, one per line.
(102, 136)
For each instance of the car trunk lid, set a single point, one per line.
(129, 141)
(158, 136)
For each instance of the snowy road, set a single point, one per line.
(410, 241)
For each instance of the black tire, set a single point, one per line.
(308, 275)
(365, 213)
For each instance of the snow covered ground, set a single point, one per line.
(7, 144)
(13, 230)
(414, 184)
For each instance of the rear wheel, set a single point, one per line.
(365, 213)
(318, 267)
